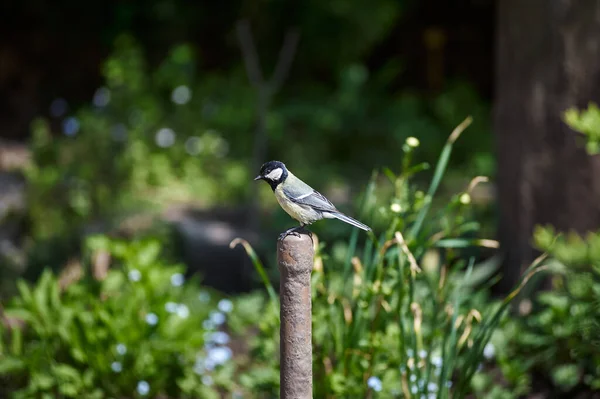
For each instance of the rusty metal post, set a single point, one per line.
(295, 256)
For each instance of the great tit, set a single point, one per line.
(300, 200)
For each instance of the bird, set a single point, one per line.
(302, 202)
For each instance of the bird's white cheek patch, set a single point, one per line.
(275, 174)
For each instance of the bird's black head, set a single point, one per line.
(273, 172)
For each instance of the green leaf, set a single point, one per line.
(566, 376)
(11, 364)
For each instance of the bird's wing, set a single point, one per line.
(301, 193)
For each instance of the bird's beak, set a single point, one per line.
(259, 177)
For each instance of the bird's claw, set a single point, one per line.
(294, 232)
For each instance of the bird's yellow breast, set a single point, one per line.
(303, 214)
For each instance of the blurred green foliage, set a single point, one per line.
(143, 143)
(157, 136)
(403, 315)
(586, 122)
(556, 335)
(138, 330)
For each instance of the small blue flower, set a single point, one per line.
(183, 311)
(217, 318)
(410, 353)
(177, 280)
(134, 275)
(204, 297)
(225, 305)
(375, 384)
(432, 387)
(489, 351)
(208, 324)
(207, 380)
(422, 353)
(121, 349)
(117, 367)
(449, 384)
(219, 338)
(413, 378)
(152, 319)
(143, 388)
(414, 389)
(219, 355)
(171, 307)
(70, 126)
(436, 361)
(101, 97)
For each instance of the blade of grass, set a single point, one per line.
(437, 176)
(259, 268)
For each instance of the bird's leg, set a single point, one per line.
(295, 232)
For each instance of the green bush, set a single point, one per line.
(139, 330)
(559, 338)
(586, 122)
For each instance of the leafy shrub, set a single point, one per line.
(586, 122)
(559, 338)
(138, 329)
(149, 138)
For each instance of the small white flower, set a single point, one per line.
(143, 388)
(465, 199)
(422, 353)
(375, 384)
(117, 367)
(218, 355)
(414, 389)
(432, 387)
(183, 311)
(217, 318)
(207, 380)
(134, 275)
(225, 305)
(208, 324)
(489, 351)
(165, 137)
(121, 349)
(396, 207)
(413, 142)
(152, 319)
(413, 378)
(171, 307)
(177, 280)
(181, 95)
(436, 361)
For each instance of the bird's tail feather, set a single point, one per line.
(348, 219)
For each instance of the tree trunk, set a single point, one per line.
(548, 59)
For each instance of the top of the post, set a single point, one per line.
(296, 253)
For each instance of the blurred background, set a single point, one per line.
(129, 136)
